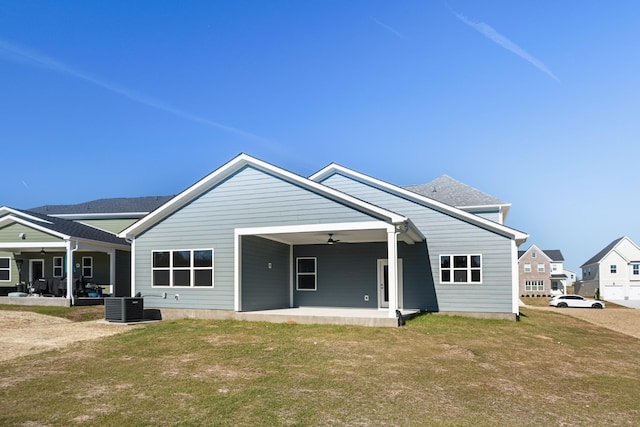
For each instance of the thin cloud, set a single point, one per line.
(21, 54)
(389, 28)
(490, 33)
(24, 183)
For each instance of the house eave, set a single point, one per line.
(519, 236)
(236, 164)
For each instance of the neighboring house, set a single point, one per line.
(615, 271)
(541, 272)
(112, 215)
(572, 277)
(462, 196)
(35, 246)
(48, 241)
(252, 236)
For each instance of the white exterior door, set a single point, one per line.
(383, 283)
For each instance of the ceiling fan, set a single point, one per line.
(331, 240)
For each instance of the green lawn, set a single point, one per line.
(547, 369)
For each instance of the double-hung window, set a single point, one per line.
(183, 268)
(87, 267)
(614, 269)
(527, 267)
(58, 266)
(460, 269)
(540, 268)
(5, 269)
(306, 276)
(636, 269)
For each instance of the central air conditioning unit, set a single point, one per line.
(123, 309)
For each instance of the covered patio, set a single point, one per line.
(352, 235)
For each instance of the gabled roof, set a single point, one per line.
(123, 206)
(605, 251)
(63, 228)
(241, 161)
(455, 193)
(553, 254)
(432, 203)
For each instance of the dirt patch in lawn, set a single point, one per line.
(624, 320)
(25, 333)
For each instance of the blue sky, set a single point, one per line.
(534, 102)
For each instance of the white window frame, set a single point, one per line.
(59, 267)
(534, 286)
(469, 269)
(540, 268)
(635, 269)
(87, 264)
(191, 269)
(613, 269)
(306, 273)
(8, 268)
(527, 267)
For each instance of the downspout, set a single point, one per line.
(69, 267)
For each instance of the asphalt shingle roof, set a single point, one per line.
(554, 254)
(597, 257)
(75, 229)
(454, 193)
(116, 205)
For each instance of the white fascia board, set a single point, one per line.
(20, 220)
(31, 245)
(517, 235)
(233, 166)
(18, 213)
(121, 215)
(64, 237)
(311, 228)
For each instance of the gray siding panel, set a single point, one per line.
(448, 235)
(265, 274)
(249, 198)
(123, 274)
(348, 272)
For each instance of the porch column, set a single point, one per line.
(392, 257)
(69, 268)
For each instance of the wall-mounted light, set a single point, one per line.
(42, 252)
(22, 236)
(270, 266)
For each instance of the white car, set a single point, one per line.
(562, 301)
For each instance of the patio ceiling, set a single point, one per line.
(321, 237)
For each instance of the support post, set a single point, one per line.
(69, 268)
(392, 257)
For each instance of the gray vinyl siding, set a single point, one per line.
(491, 216)
(448, 235)
(249, 198)
(348, 272)
(123, 274)
(265, 274)
(111, 225)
